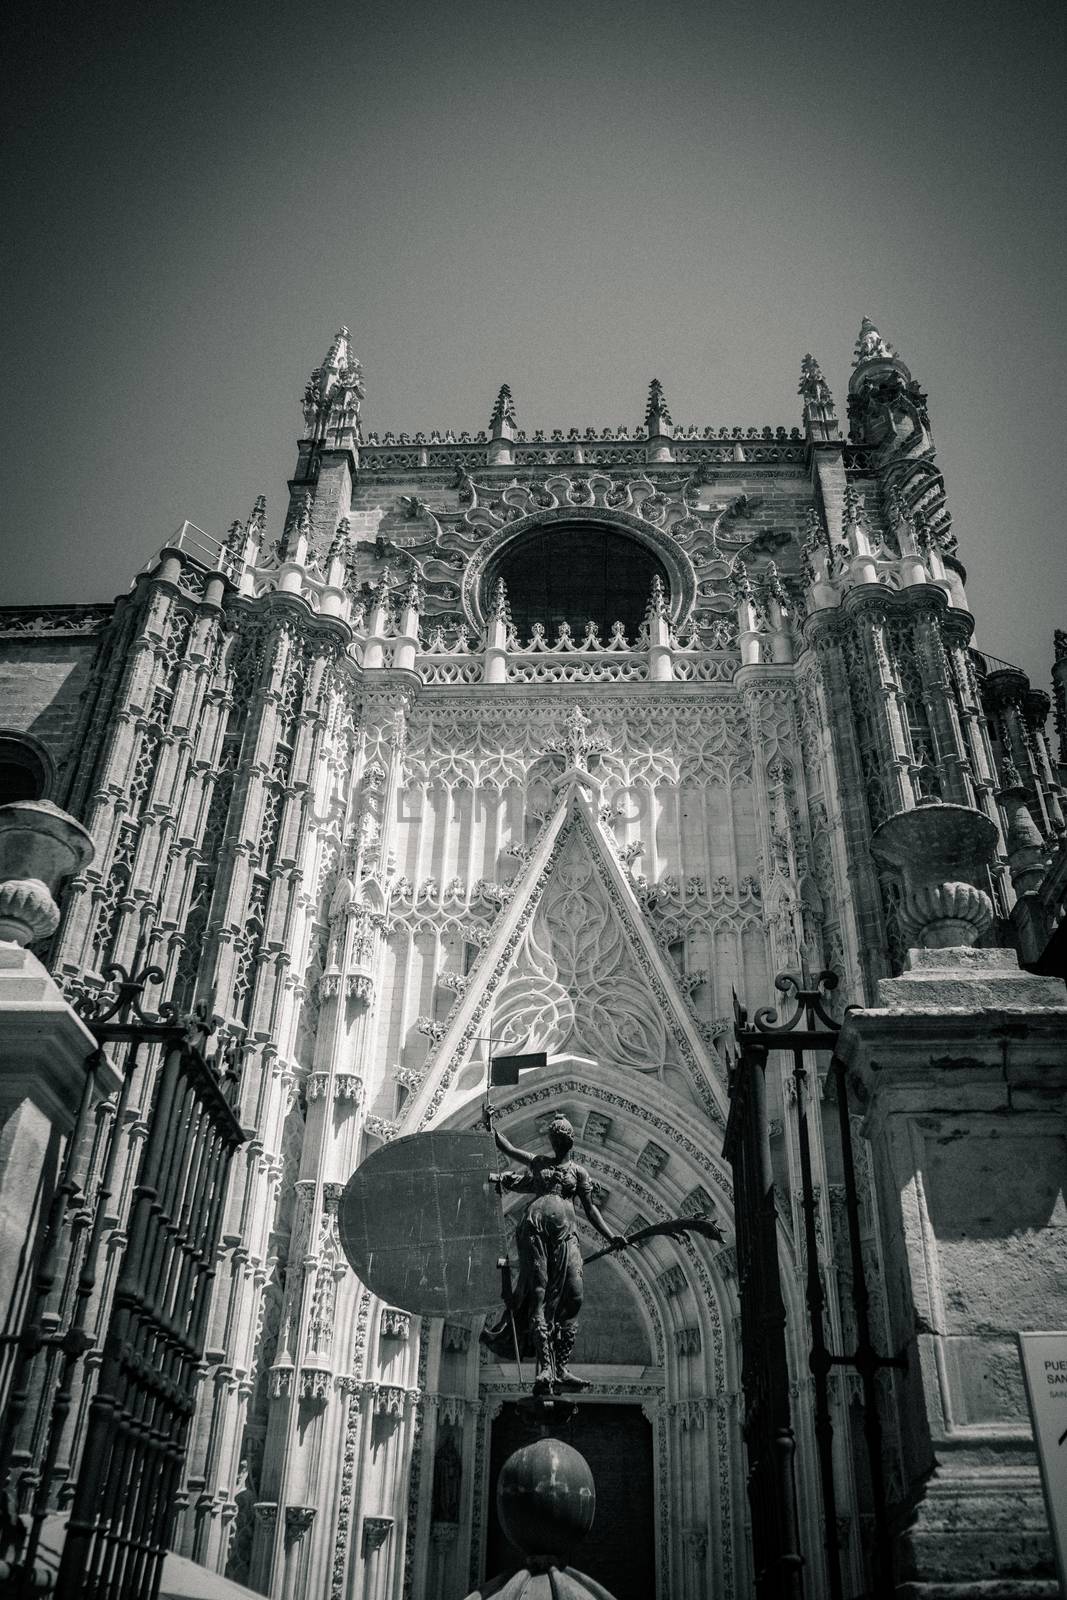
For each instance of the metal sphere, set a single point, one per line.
(545, 1499)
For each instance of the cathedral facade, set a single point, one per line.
(505, 742)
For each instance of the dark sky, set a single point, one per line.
(570, 198)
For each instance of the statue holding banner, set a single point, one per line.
(547, 1296)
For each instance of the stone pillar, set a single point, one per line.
(48, 1063)
(962, 1068)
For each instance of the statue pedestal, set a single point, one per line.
(44, 1046)
(963, 1071)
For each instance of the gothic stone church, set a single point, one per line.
(563, 739)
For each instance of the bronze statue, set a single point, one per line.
(548, 1295)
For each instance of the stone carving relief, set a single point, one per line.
(574, 985)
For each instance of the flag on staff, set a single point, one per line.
(505, 1069)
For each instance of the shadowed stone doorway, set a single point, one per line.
(616, 1440)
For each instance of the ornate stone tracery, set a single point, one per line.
(369, 843)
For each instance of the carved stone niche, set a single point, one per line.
(652, 1160)
(673, 1281)
(597, 1128)
(941, 854)
(687, 1341)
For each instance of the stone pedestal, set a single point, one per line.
(44, 1047)
(962, 1069)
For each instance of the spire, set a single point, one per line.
(870, 346)
(657, 414)
(334, 390)
(503, 422)
(819, 415)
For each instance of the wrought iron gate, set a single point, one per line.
(770, 1442)
(125, 1497)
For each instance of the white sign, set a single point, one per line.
(1044, 1357)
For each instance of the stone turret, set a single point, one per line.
(881, 389)
(329, 451)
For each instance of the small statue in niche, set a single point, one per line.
(447, 1478)
(548, 1296)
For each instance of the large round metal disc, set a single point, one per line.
(422, 1225)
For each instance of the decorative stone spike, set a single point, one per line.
(334, 390)
(257, 522)
(411, 595)
(870, 346)
(820, 416)
(341, 543)
(657, 600)
(501, 606)
(775, 587)
(382, 589)
(657, 415)
(503, 421)
(813, 386)
(741, 583)
(304, 516)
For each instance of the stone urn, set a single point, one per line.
(40, 847)
(941, 854)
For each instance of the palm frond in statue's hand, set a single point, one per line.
(673, 1228)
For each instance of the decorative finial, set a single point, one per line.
(657, 600)
(772, 579)
(503, 413)
(656, 411)
(382, 588)
(341, 543)
(501, 608)
(257, 522)
(813, 386)
(741, 583)
(334, 390)
(411, 595)
(870, 346)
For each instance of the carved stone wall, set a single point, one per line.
(341, 803)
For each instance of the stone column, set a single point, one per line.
(49, 1068)
(962, 1066)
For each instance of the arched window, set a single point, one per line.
(25, 772)
(576, 572)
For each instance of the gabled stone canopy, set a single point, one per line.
(619, 1001)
